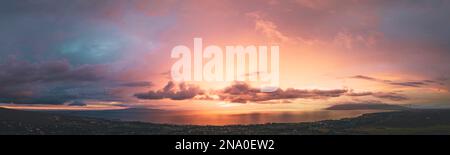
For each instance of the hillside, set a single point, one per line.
(401, 122)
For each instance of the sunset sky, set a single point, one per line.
(115, 54)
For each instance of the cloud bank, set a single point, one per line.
(172, 91)
(241, 92)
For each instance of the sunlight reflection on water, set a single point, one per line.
(198, 118)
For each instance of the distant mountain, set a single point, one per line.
(366, 106)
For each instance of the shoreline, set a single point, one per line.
(156, 116)
(426, 121)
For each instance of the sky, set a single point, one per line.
(114, 54)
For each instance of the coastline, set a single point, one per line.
(425, 121)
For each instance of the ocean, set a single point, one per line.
(199, 118)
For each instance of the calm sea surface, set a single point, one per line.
(195, 118)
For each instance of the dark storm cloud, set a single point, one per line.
(80, 31)
(46, 82)
(172, 91)
(60, 51)
(17, 72)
